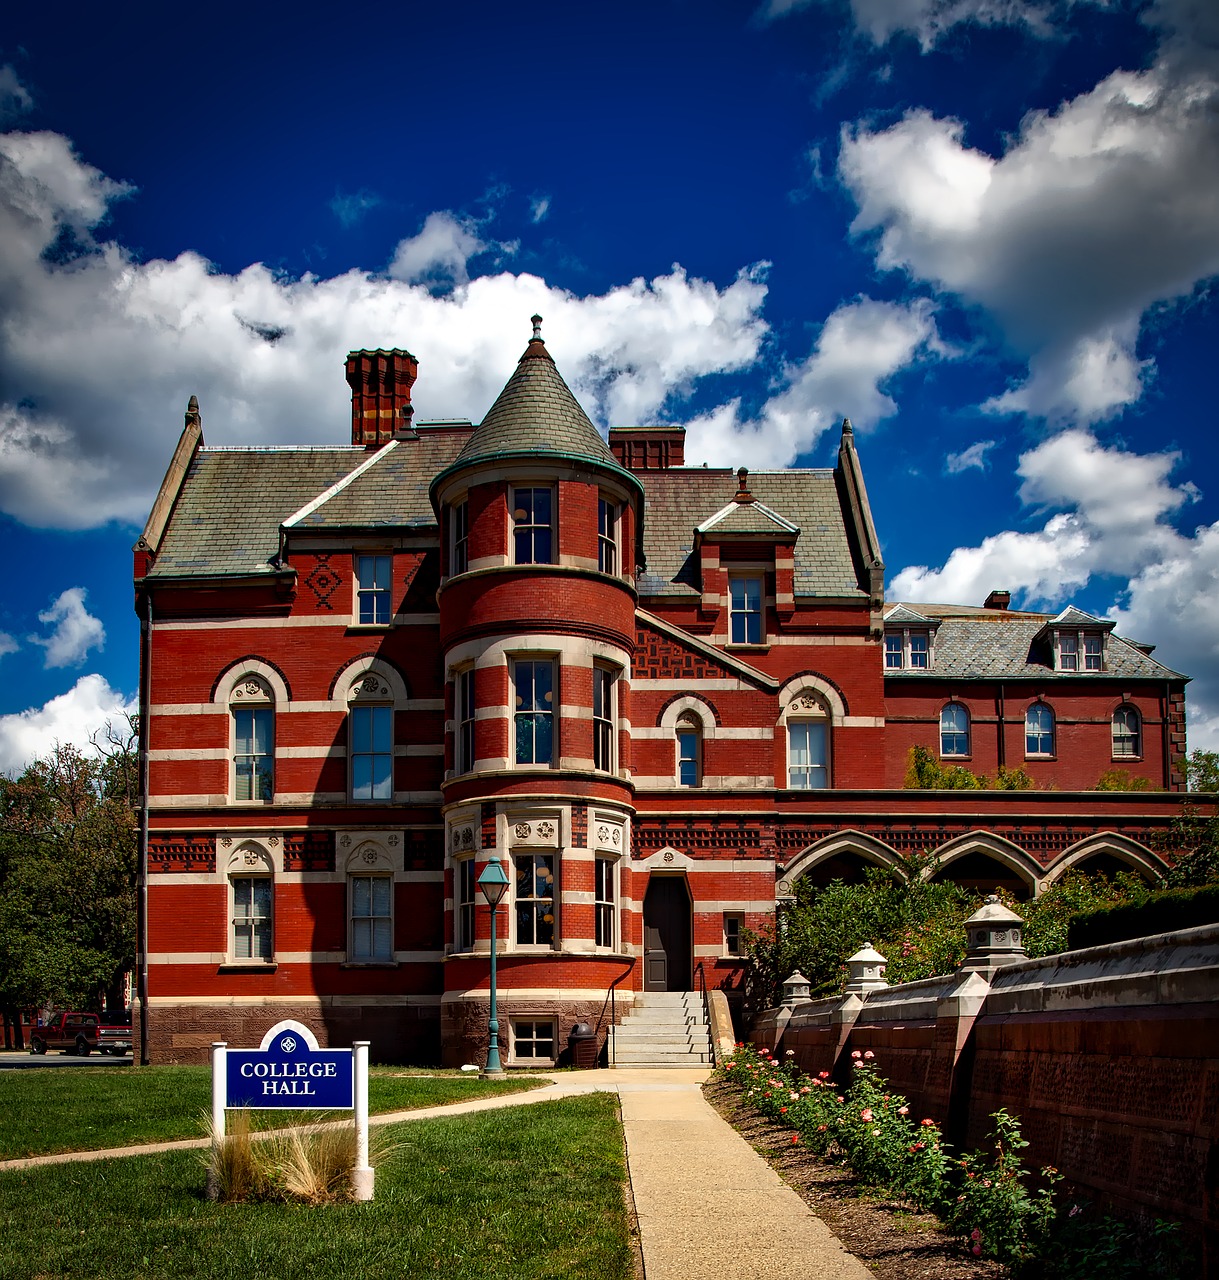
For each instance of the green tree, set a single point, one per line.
(67, 877)
(1202, 770)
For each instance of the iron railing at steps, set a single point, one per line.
(613, 1008)
(701, 978)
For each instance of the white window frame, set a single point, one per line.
(521, 901)
(250, 693)
(463, 714)
(605, 721)
(1132, 736)
(794, 725)
(1079, 652)
(689, 726)
(956, 731)
(465, 902)
(518, 1040)
(459, 546)
(744, 614)
(607, 535)
(528, 522)
(249, 919)
(734, 933)
(355, 709)
(377, 592)
(605, 903)
(1052, 733)
(915, 642)
(535, 661)
(379, 877)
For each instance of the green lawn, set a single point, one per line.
(82, 1109)
(524, 1193)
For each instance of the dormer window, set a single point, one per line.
(907, 650)
(1079, 650)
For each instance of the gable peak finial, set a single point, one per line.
(847, 429)
(193, 418)
(536, 321)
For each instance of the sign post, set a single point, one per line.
(290, 1071)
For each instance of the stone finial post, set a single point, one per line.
(994, 935)
(795, 988)
(866, 970)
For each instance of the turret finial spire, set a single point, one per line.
(536, 321)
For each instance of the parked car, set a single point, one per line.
(71, 1032)
(114, 1034)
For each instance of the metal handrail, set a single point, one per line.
(701, 976)
(613, 1007)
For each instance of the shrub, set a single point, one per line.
(1047, 919)
(924, 772)
(1122, 780)
(1162, 911)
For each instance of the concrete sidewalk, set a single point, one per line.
(708, 1205)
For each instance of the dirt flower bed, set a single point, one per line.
(891, 1237)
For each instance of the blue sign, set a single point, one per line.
(289, 1071)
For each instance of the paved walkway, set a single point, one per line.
(708, 1205)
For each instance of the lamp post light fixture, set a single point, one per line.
(493, 884)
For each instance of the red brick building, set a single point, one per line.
(662, 694)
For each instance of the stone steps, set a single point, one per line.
(664, 1029)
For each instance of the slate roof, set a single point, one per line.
(227, 516)
(680, 499)
(536, 413)
(981, 643)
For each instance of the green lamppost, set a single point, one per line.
(493, 884)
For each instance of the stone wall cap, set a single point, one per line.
(994, 911)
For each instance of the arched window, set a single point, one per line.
(954, 730)
(370, 738)
(1039, 730)
(1127, 733)
(253, 716)
(689, 750)
(808, 743)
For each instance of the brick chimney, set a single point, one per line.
(998, 600)
(648, 448)
(380, 383)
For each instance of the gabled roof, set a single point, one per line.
(979, 643)
(678, 500)
(1073, 617)
(904, 615)
(748, 518)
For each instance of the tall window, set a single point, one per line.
(745, 610)
(954, 730)
(251, 917)
(807, 762)
(689, 752)
(1039, 730)
(534, 713)
(605, 897)
(372, 753)
(918, 650)
(603, 718)
(1068, 651)
(467, 895)
(465, 720)
(371, 919)
(532, 521)
(460, 560)
(374, 579)
(253, 753)
(1127, 734)
(607, 536)
(1092, 652)
(734, 930)
(535, 899)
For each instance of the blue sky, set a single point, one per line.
(985, 230)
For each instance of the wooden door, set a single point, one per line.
(667, 952)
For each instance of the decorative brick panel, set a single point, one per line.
(181, 853)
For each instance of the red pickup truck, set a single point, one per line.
(80, 1033)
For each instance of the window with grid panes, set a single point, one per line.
(689, 752)
(253, 753)
(605, 900)
(533, 1039)
(371, 918)
(374, 581)
(251, 917)
(372, 752)
(603, 718)
(467, 896)
(1127, 733)
(460, 561)
(1039, 730)
(954, 730)
(532, 515)
(535, 899)
(745, 610)
(533, 715)
(807, 760)
(607, 536)
(465, 720)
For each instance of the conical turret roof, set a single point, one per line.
(536, 413)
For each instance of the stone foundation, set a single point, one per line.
(463, 1028)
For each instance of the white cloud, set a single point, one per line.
(69, 718)
(930, 20)
(7, 644)
(440, 253)
(862, 345)
(1110, 510)
(15, 98)
(351, 206)
(1094, 213)
(76, 632)
(967, 459)
(265, 354)
(539, 207)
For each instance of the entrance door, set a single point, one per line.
(667, 953)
